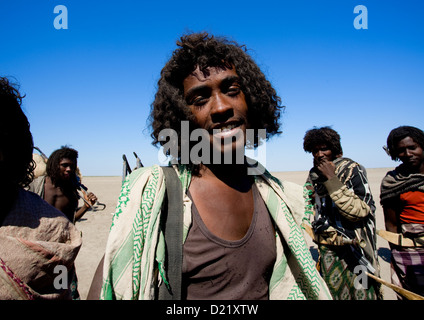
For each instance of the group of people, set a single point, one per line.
(242, 229)
(344, 225)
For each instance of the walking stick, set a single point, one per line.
(404, 292)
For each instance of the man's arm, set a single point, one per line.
(351, 204)
(390, 217)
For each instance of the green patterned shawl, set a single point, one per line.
(134, 258)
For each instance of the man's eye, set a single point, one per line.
(233, 90)
(198, 101)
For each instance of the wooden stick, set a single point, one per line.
(406, 293)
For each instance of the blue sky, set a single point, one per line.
(90, 86)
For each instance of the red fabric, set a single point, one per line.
(413, 207)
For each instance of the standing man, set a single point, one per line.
(402, 198)
(344, 225)
(241, 239)
(60, 184)
(38, 243)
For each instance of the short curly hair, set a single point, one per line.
(401, 133)
(324, 135)
(202, 50)
(16, 142)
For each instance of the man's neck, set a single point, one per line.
(235, 176)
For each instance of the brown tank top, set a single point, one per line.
(218, 269)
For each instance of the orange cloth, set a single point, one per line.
(413, 207)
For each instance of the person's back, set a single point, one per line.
(35, 234)
(39, 243)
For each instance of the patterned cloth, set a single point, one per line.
(342, 280)
(399, 181)
(35, 239)
(11, 287)
(135, 254)
(408, 263)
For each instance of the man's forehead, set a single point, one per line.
(66, 160)
(204, 74)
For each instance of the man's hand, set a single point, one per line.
(327, 168)
(91, 198)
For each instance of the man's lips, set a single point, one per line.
(226, 128)
(411, 161)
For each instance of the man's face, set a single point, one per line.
(322, 152)
(217, 103)
(67, 168)
(410, 153)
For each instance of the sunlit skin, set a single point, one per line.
(411, 154)
(217, 101)
(63, 196)
(67, 168)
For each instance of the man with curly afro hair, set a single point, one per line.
(344, 224)
(240, 237)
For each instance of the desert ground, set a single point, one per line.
(95, 225)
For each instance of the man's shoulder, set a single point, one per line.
(31, 207)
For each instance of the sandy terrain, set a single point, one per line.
(95, 225)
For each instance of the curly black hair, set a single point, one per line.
(52, 167)
(324, 135)
(401, 133)
(16, 142)
(202, 50)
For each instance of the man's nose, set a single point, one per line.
(320, 154)
(222, 108)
